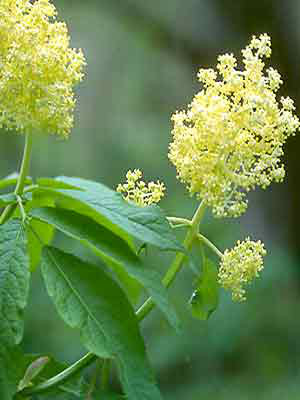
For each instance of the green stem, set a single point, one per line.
(178, 261)
(21, 207)
(60, 378)
(9, 210)
(210, 245)
(141, 313)
(93, 382)
(105, 373)
(181, 221)
(24, 166)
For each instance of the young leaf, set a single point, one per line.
(112, 249)
(205, 298)
(88, 299)
(108, 208)
(73, 388)
(14, 281)
(32, 371)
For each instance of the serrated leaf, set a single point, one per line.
(205, 298)
(89, 300)
(108, 208)
(14, 281)
(130, 285)
(112, 249)
(11, 369)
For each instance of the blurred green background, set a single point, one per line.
(142, 62)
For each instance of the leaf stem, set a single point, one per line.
(25, 165)
(8, 211)
(93, 382)
(181, 221)
(141, 313)
(61, 377)
(105, 373)
(209, 244)
(178, 261)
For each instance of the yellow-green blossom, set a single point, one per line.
(231, 137)
(240, 265)
(38, 69)
(139, 192)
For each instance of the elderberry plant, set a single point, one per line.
(228, 141)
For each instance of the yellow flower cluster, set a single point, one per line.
(230, 139)
(240, 265)
(38, 69)
(138, 191)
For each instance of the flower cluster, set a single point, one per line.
(38, 69)
(240, 265)
(232, 135)
(139, 192)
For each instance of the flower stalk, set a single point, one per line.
(175, 267)
(24, 170)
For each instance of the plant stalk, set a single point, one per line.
(209, 244)
(175, 267)
(9, 210)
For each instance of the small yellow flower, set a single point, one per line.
(38, 69)
(231, 137)
(138, 191)
(240, 265)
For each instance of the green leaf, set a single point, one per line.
(108, 208)
(34, 230)
(38, 233)
(73, 388)
(88, 299)
(54, 183)
(112, 249)
(11, 364)
(205, 298)
(106, 396)
(6, 199)
(14, 281)
(33, 370)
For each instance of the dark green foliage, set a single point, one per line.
(87, 299)
(14, 281)
(108, 208)
(112, 249)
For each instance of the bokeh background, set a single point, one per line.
(142, 62)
